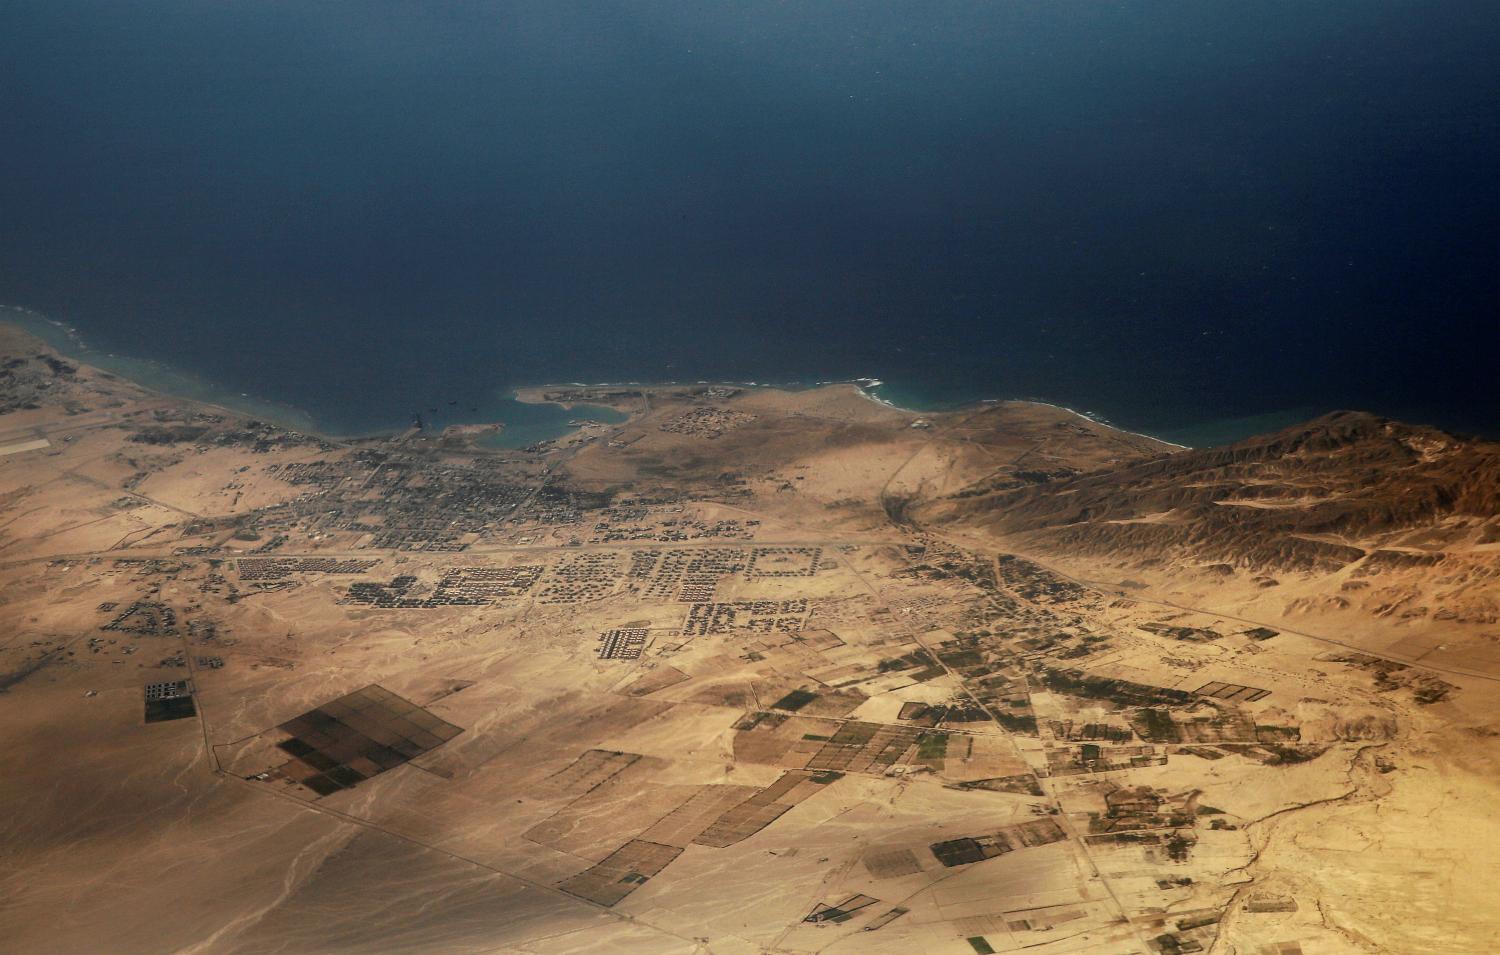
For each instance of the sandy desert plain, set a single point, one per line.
(752, 672)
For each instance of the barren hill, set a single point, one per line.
(1314, 497)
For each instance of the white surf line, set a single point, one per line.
(1106, 424)
(35, 444)
(886, 403)
(865, 384)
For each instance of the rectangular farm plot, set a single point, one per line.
(891, 863)
(594, 824)
(776, 739)
(765, 807)
(625, 870)
(864, 748)
(589, 770)
(841, 911)
(355, 737)
(690, 820)
(1025, 835)
(1232, 692)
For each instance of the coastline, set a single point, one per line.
(869, 385)
(166, 380)
(158, 377)
(1100, 421)
(865, 386)
(511, 407)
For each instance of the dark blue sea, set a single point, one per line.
(1194, 219)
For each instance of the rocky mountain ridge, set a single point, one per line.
(1316, 497)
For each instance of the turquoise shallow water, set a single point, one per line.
(527, 423)
(524, 423)
(915, 398)
(153, 374)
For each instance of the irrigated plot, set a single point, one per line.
(625, 870)
(1039, 832)
(763, 808)
(841, 911)
(891, 863)
(1232, 692)
(864, 748)
(776, 739)
(690, 820)
(355, 737)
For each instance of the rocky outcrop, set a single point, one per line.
(1312, 498)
